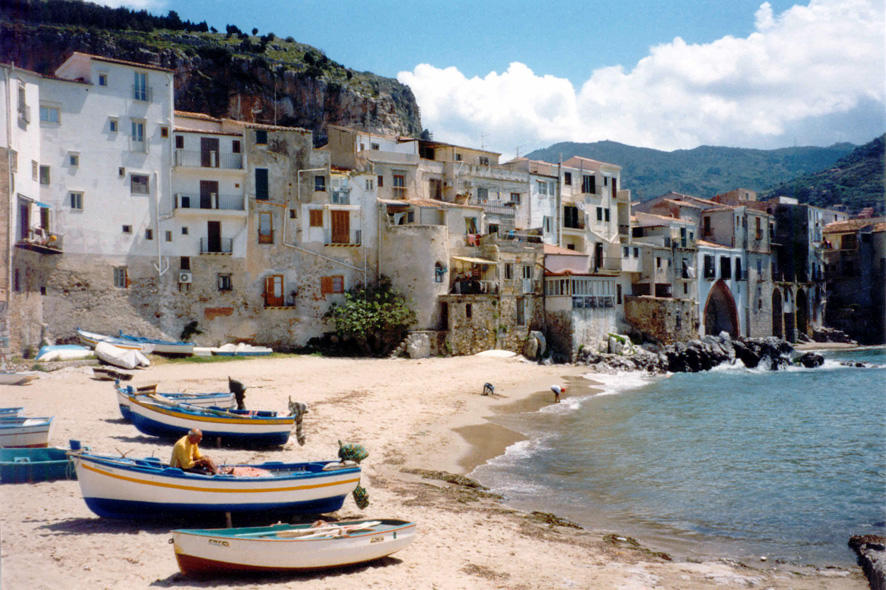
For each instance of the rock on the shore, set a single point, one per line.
(871, 551)
(810, 360)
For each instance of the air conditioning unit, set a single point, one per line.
(185, 276)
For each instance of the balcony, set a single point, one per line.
(505, 208)
(217, 246)
(593, 301)
(209, 159)
(474, 287)
(194, 204)
(39, 240)
(354, 238)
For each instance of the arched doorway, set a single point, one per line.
(802, 312)
(720, 314)
(777, 319)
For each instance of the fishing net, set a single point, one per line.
(351, 452)
(361, 497)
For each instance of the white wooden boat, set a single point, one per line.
(93, 338)
(125, 358)
(241, 349)
(200, 400)
(25, 432)
(262, 428)
(287, 547)
(159, 346)
(64, 352)
(17, 377)
(118, 487)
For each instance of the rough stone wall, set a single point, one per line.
(569, 331)
(663, 319)
(474, 334)
(559, 333)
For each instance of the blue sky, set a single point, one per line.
(664, 73)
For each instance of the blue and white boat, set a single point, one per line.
(12, 412)
(261, 428)
(118, 487)
(24, 431)
(157, 345)
(201, 400)
(93, 338)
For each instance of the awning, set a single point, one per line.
(44, 205)
(474, 260)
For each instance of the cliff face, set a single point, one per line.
(280, 82)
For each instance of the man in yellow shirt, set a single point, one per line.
(186, 454)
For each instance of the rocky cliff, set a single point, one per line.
(247, 78)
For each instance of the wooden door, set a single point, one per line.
(213, 234)
(274, 291)
(207, 189)
(209, 152)
(341, 227)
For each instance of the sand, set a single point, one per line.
(410, 415)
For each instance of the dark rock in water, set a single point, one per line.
(742, 352)
(857, 364)
(810, 360)
(871, 551)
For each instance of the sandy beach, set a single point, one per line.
(414, 417)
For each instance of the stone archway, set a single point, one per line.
(802, 312)
(720, 313)
(777, 318)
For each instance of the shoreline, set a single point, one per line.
(408, 414)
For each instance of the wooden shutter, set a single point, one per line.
(325, 285)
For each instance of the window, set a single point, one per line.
(484, 161)
(658, 262)
(44, 174)
(381, 181)
(458, 157)
(567, 178)
(49, 114)
(265, 228)
(164, 131)
(468, 311)
(140, 86)
(121, 277)
(261, 137)
(738, 269)
(235, 146)
(588, 184)
(316, 217)
(127, 229)
(333, 284)
(758, 228)
(149, 234)
(509, 271)
(179, 142)
(75, 200)
(185, 230)
(224, 281)
(547, 224)
(319, 183)
(439, 272)
(482, 194)
(709, 271)
(113, 125)
(470, 225)
(374, 146)
(706, 227)
(137, 136)
(184, 263)
(168, 236)
(261, 184)
(571, 217)
(542, 187)
(399, 186)
(636, 252)
(599, 213)
(139, 184)
(515, 198)
(527, 271)
(370, 184)
(73, 159)
(725, 267)
(606, 214)
(102, 79)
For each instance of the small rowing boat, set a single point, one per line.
(25, 432)
(157, 345)
(125, 358)
(286, 547)
(33, 465)
(200, 400)
(93, 338)
(119, 487)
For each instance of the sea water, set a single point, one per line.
(730, 462)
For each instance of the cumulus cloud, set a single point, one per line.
(815, 65)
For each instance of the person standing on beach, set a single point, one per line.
(187, 457)
(557, 389)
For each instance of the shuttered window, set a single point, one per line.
(261, 184)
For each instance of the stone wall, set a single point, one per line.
(572, 330)
(662, 319)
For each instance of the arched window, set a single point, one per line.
(439, 272)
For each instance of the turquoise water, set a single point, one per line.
(731, 462)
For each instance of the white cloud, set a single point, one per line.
(811, 66)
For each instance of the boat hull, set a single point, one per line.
(203, 400)
(146, 488)
(170, 421)
(208, 552)
(25, 433)
(92, 338)
(34, 465)
(160, 346)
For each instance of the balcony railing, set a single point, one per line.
(354, 238)
(142, 93)
(221, 246)
(474, 287)
(209, 159)
(39, 240)
(505, 208)
(399, 192)
(592, 301)
(226, 202)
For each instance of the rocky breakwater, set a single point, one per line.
(701, 354)
(871, 551)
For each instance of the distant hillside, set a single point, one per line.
(248, 77)
(704, 171)
(856, 180)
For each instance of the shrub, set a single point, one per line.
(375, 318)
